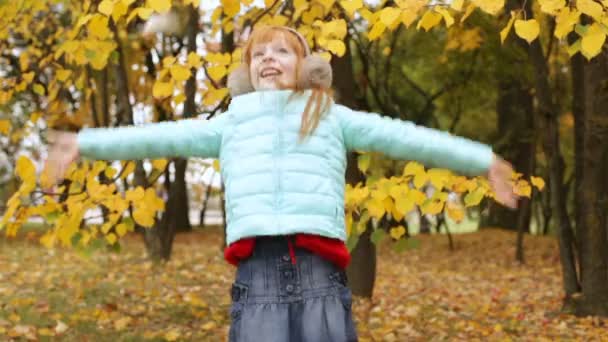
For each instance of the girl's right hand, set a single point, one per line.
(62, 152)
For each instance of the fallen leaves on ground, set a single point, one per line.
(476, 292)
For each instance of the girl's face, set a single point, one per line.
(273, 65)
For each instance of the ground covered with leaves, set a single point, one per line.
(476, 292)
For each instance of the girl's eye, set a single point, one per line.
(283, 50)
(257, 54)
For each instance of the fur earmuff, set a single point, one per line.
(239, 82)
(315, 72)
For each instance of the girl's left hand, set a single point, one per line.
(499, 175)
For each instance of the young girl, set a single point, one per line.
(282, 147)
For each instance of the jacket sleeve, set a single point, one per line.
(183, 138)
(404, 140)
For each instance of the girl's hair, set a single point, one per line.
(321, 98)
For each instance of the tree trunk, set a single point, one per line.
(548, 125)
(180, 219)
(362, 269)
(591, 138)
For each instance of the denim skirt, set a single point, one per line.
(289, 296)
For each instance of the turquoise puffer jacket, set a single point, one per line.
(274, 184)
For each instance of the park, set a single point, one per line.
(454, 179)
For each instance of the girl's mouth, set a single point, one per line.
(270, 72)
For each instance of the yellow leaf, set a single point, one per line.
(38, 89)
(128, 168)
(121, 229)
(412, 169)
(551, 6)
(5, 126)
(351, 6)
(397, 232)
(159, 164)
(420, 180)
(25, 169)
(377, 29)
(505, 31)
(447, 17)
(212, 96)
(106, 7)
(474, 197)
(337, 47)
(173, 335)
(593, 41)
(429, 20)
(363, 162)
(135, 195)
(404, 204)
(375, 207)
(574, 48)
(231, 7)
(522, 188)
(432, 207)
(216, 165)
(98, 27)
(455, 213)
(144, 13)
(209, 326)
(120, 9)
(160, 6)
(46, 332)
(438, 178)
(63, 74)
(162, 89)
(179, 98)
(123, 322)
(538, 182)
(194, 60)
(111, 238)
(565, 21)
(180, 73)
(470, 8)
(389, 15)
(527, 29)
(219, 58)
(457, 5)
(490, 6)
(28, 77)
(590, 8)
(216, 72)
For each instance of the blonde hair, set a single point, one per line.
(321, 98)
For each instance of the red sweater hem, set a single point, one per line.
(333, 250)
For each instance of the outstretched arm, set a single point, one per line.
(404, 140)
(184, 138)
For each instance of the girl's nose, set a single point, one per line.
(267, 56)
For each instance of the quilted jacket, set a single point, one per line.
(275, 184)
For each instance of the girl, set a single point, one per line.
(282, 146)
